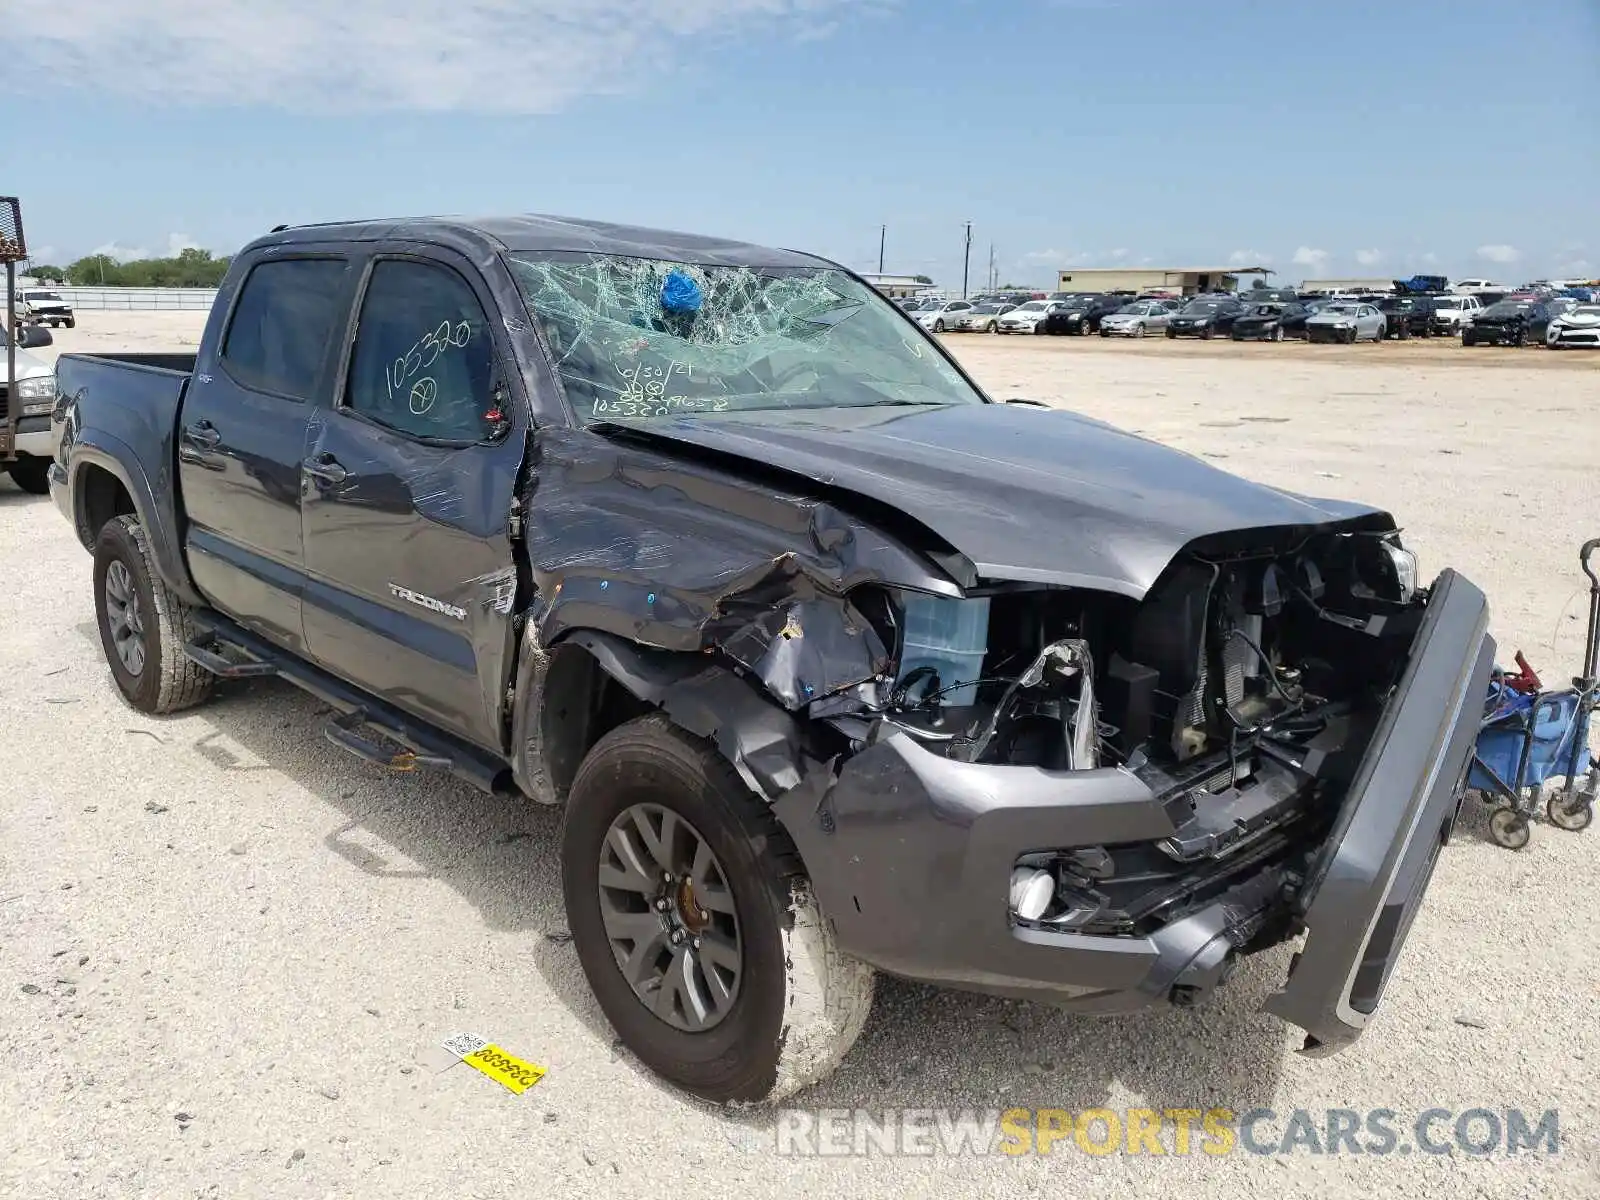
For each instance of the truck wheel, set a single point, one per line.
(692, 917)
(31, 474)
(143, 626)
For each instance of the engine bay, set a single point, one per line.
(1242, 690)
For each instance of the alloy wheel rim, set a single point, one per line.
(125, 618)
(670, 918)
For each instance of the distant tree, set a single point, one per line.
(193, 268)
(923, 278)
(1259, 284)
(91, 270)
(48, 274)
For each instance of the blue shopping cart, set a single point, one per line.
(1531, 737)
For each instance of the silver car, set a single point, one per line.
(1346, 321)
(1136, 319)
(983, 318)
(939, 315)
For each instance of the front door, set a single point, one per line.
(409, 480)
(242, 434)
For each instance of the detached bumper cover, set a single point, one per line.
(1365, 890)
(910, 855)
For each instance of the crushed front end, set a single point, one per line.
(1101, 802)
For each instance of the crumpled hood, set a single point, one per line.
(1025, 493)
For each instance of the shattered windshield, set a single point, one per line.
(636, 337)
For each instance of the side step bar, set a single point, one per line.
(342, 731)
(206, 657)
(420, 744)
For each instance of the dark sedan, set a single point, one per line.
(1513, 323)
(1206, 317)
(1081, 314)
(1294, 318)
(1264, 322)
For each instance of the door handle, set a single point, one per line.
(203, 434)
(326, 468)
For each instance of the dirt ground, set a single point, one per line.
(231, 951)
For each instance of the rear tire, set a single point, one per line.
(31, 474)
(1138, 330)
(139, 614)
(797, 1005)
(938, 326)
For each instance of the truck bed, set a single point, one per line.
(125, 419)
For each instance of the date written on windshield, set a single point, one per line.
(426, 352)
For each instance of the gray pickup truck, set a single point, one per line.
(837, 664)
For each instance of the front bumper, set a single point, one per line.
(1578, 337)
(910, 855)
(33, 437)
(1190, 330)
(1253, 333)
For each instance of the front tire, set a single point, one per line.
(650, 801)
(1138, 330)
(31, 474)
(938, 326)
(143, 625)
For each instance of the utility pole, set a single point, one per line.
(966, 260)
(994, 280)
(883, 236)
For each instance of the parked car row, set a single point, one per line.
(1269, 314)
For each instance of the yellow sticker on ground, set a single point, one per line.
(504, 1068)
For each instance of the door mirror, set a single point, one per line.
(30, 337)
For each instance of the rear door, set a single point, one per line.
(242, 433)
(409, 480)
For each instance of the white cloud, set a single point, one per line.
(177, 243)
(1306, 256)
(1119, 252)
(1248, 258)
(504, 56)
(1047, 256)
(1369, 258)
(1499, 253)
(42, 255)
(121, 253)
(1431, 258)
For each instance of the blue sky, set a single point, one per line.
(1344, 137)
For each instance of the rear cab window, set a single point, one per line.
(281, 325)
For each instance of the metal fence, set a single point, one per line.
(150, 299)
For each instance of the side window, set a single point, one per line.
(424, 360)
(279, 332)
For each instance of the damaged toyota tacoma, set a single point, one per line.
(837, 664)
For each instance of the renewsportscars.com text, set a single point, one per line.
(1475, 1132)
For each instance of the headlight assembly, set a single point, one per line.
(36, 396)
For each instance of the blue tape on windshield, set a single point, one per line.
(680, 293)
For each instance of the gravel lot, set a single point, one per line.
(230, 951)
